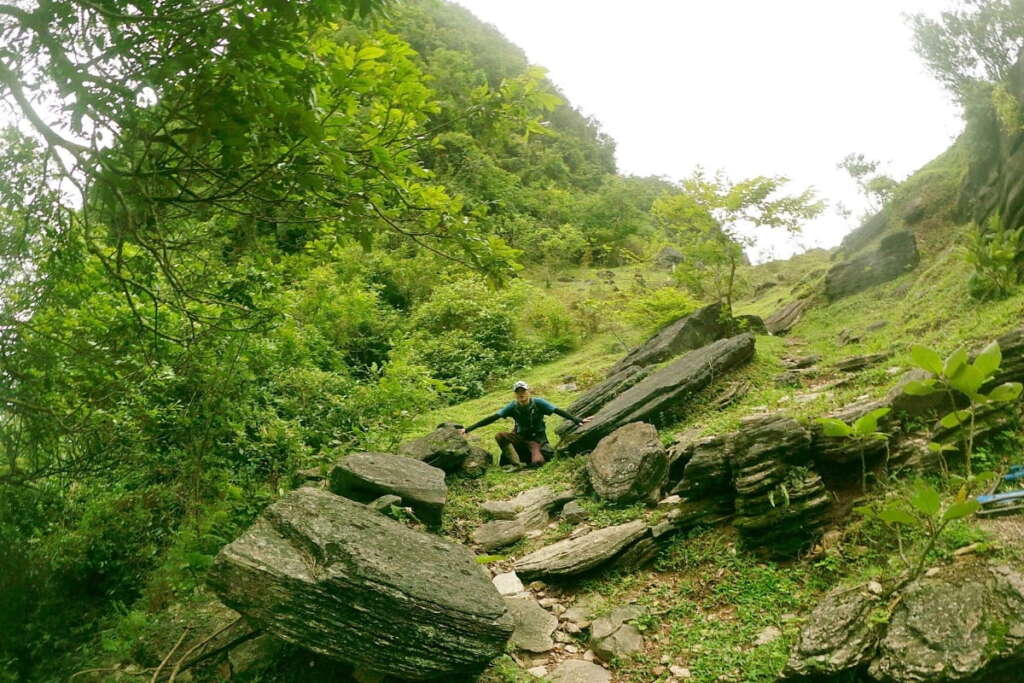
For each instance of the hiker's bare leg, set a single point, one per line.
(536, 457)
(506, 445)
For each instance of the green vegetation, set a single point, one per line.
(863, 430)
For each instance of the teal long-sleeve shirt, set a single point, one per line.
(529, 418)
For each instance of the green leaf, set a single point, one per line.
(370, 52)
(936, 447)
(868, 424)
(919, 387)
(961, 510)
(989, 359)
(830, 426)
(926, 359)
(891, 515)
(1005, 392)
(967, 380)
(926, 500)
(956, 361)
(955, 419)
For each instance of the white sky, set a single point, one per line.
(783, 87)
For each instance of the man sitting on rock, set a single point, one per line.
(529, 437)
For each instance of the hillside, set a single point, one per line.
(235, 370)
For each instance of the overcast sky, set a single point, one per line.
(779, 87)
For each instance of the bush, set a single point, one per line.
(658, 308)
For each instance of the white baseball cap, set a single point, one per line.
(521, 386)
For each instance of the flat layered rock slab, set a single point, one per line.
(366, 476)
(663, 392)
(579, 671)
(689, 332)
(534, 624)
(577, 555)
(527, 503)
(332, 576)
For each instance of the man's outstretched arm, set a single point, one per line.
(482, 423)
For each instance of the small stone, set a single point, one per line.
(562, 637)
(538, 671)
(875, 588)
(669, 503)
(680, 671)
(548, 602)
(659, 670)
(533, 625)
(574, 513)
(966, 550)
(384, 502)
(571, 649)
(558, 609)
(508, 583)
(665, 659)
(588, 656)
(570, 627)
(537, 585)
(767, 635)
(932, 572)
(579, 671)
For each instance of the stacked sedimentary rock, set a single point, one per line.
(780, 501)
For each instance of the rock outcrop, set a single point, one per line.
(334, 577)
(780, 501)
(783, 320)
(690, 332)
(629, 464)
(896, 255)
(443, 448)
(663, 392)
(364, 477)
(574, 556)
(965, 623)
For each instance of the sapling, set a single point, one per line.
(957, 376)
(862, 431)
(923, 509)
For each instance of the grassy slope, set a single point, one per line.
(707, 598)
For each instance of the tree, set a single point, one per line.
(877, 188)
(710, 213)
(972, 46)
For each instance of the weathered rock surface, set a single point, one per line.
(475, 463)
(498, 533)
(528, 504)
(628, 465)
(896, 255)
(367, 476)
(780, 502)
(334, 577)
(783, 320)
(858, 363)
(690, 332)
(600, 394)
(574, 513)
(508, 583)
(965, 623)
(515, 517)
(534, 624)
(663, 392)
(612, 637)
(444, 448)
(708, 472)
(579, 671)
(577, 555)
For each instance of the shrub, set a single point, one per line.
(655, 309)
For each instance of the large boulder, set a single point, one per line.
(332, 576)
(663, 393)
(629, 464)
(896, 255)
(580, 554)
(444, 448)
(594, 398)
(689, 332)
(965, 623)
(367, 476)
